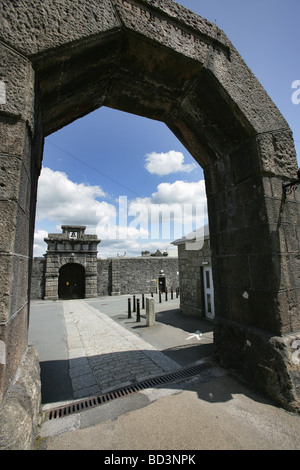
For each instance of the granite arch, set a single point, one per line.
(157, 59)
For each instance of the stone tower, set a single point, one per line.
(71, 264)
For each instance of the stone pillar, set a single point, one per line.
(256, 265)
(115, 277)
(150, 312)
(91, 276)
(51, 287)
(20, 155)
(51, 277)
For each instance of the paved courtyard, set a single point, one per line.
(89, 346)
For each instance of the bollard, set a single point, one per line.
(150, 313)
(138, 317)
(171, 293)
(159, 297)
(143, 301)
(176, 292)
(151, 294)
(134, 307)
(129, 308)
(166, 293)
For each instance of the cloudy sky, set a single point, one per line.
(111, 170)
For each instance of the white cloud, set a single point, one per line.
(133, 247)
(167, 163)
(180, 192)
(40, 246)
(173, 211)
(132, 228)
(65, 202)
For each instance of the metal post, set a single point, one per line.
(138, 317)
(171, 293)
(129, 308)
(143, 301)
(159, 297)
(166, 293)
(133, 304)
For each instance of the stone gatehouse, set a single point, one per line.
(61, 60)
(71, 264)
(70, 269)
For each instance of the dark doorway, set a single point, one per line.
(71, 283)
(162, 284)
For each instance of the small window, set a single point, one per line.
(207, 280)
(209, 303)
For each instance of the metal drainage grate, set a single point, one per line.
(82, 405)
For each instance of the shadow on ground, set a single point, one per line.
(168, 337)
(209, 386)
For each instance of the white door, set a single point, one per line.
(208, 293)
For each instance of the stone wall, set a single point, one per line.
(136, 275)
(191, 264)
(104, 281)
(118, 276)
(22, 405)
(38, 278)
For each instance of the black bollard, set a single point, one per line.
(166, 294)
(143, 301)
(134, 304)
(171, 293)
(176, 292)
(129, 308)
(138, 317)
(159, 297)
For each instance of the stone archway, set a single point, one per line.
(71, 282)
(159, 60)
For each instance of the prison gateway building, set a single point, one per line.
(70, 269)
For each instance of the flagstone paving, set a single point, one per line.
(104, 355)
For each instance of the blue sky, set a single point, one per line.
(109, 154)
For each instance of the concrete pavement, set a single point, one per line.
(98, 348)
(218, 415)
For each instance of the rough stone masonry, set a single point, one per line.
(62, 60)
(52, 276)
